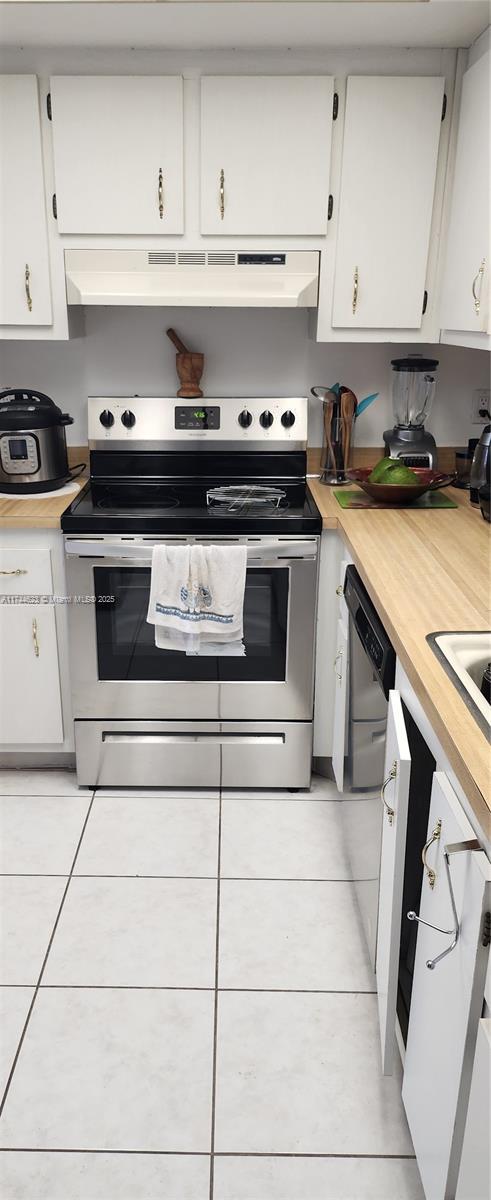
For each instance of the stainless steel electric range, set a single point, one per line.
(220, 471)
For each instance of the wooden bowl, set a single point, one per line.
(400, 493)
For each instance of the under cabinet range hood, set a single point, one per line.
(180, 278)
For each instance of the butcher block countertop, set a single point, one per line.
(427, 571)
(25, 513)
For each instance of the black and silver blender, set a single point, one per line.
(413, 389)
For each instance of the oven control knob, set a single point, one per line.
(266, 419)
(245, 418)
(106, 418)
(288, 419)
(128, 418)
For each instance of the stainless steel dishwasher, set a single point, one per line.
(372, 664)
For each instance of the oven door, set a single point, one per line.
(117, 670)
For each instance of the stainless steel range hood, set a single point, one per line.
(180, 278)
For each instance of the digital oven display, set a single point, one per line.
(194, 416)
(18, 449)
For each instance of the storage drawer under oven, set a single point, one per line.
(269, 754)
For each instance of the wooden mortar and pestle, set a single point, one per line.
(189, 366)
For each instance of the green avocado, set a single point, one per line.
(381, 468)
(401, 475)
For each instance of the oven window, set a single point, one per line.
(126, 642)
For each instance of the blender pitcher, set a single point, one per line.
(413, 390)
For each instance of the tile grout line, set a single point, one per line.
(200, 1153)
(43, 965)
(215, 1013)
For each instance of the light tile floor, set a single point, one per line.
(187, 1008)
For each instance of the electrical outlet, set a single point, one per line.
(480, 407)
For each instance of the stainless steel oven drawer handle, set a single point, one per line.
(208, 739)
(256, 553)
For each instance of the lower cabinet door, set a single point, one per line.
(394, 797)
(341, 667)
(30, 698)
(475, 1166)
(448, 991)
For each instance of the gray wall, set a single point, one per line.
(248, 352)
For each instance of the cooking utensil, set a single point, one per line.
(348, 410)
(189, 366)
(400, 493)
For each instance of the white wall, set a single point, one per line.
(248, 352)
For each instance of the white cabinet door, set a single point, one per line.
(341, 670)
(390, 153)
(30, 698)
(466, 286)
(446, 1001)
(265, 154)
(25, 297)
(395, 793)
(475, 1167)
(118, 150)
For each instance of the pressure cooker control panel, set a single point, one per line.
(19, 453)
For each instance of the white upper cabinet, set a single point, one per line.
(390, 154)
(448, 991)
(25, 297)
(465, 303)
(118, 151)
(265, 154)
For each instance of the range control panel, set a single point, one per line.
(240, 423)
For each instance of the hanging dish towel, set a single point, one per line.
(197, 598)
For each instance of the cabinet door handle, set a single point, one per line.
(435, 836)
(161, 193)
(356, 278)
(222, 194)
(27, 285)
(453, 848)
(339, 674)
(18, 571)
(35, 637)
(477, 294)
(392, 775)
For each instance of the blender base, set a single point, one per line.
(414, 446)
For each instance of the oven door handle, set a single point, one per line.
(274, 552)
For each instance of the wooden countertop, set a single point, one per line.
(427, 571)
(25, 513)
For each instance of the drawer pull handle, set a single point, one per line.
(392, 775)
(453, 848)
(35, 637)
(27, 284)
(18, 571)
(161, 194)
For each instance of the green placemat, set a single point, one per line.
(355, 498)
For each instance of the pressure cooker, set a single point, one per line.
(33, 454)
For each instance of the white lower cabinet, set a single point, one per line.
(395, 795)
(341, 671)
(448, 991)
(475, 1167)
(30, 695)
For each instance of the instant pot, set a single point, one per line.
(33, 454)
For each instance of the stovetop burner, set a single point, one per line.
(144, 498)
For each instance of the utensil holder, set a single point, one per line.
(336, 452)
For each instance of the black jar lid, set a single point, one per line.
(29, 409)
(415, 362)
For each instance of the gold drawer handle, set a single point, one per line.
(435, 836)
(356, 278)
(478, 279)
(27, 284)
(18, 571)
(222, 194)
(392, 775)
(35, 637)
(161, 194)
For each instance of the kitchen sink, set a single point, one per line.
(465, 656)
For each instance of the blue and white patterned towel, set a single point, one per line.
(197, 598)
